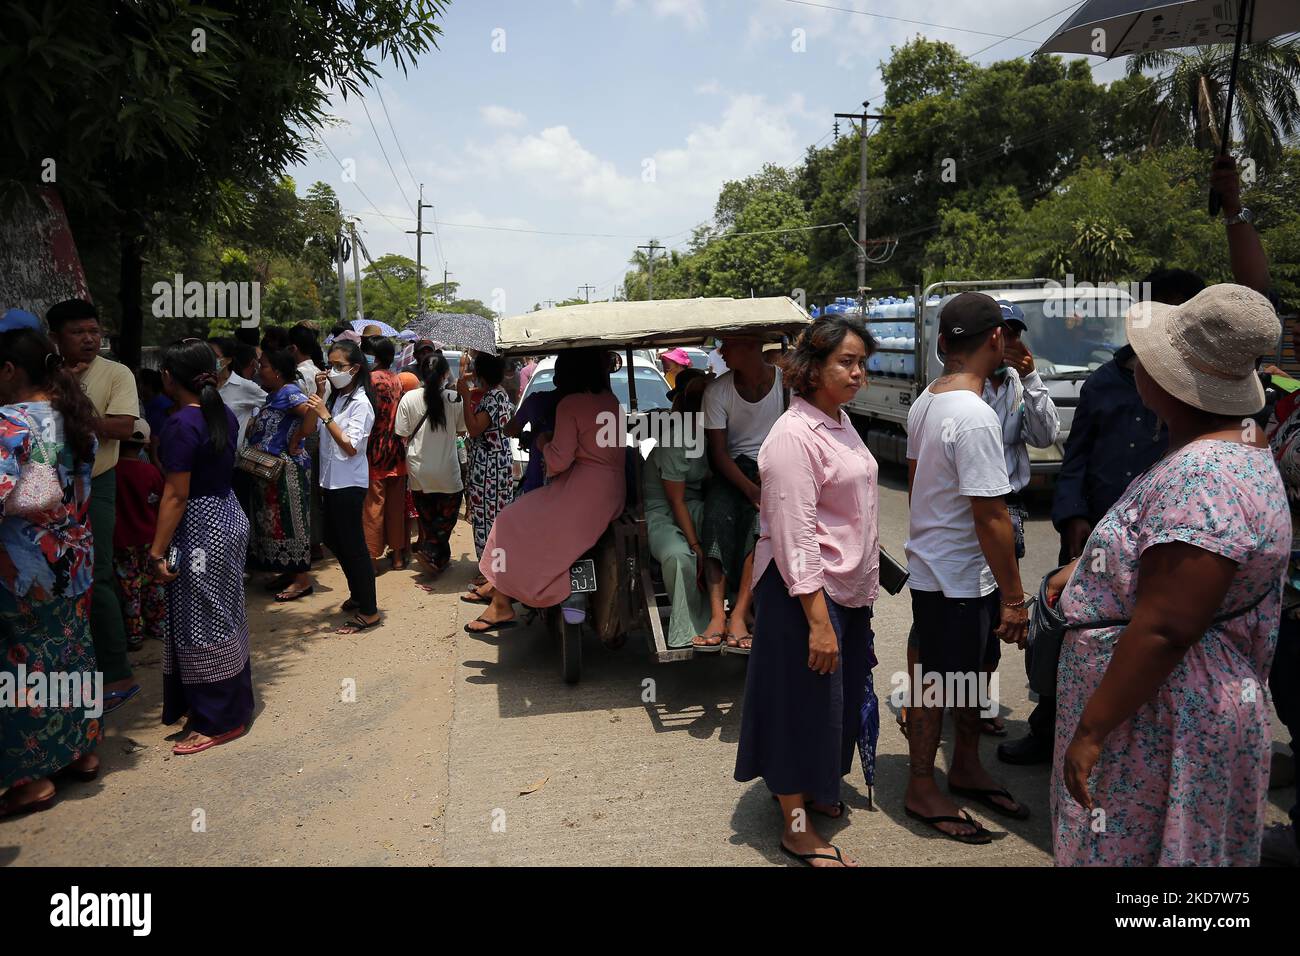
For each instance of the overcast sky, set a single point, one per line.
(615, 119)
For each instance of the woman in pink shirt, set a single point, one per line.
(816, 573)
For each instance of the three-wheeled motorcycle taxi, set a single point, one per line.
(618, 578)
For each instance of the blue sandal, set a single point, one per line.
(114, 699)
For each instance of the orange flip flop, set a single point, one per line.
(182, 750)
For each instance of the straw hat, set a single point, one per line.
(1203, 352)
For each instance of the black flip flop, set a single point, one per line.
(481, 599)
(986, 797)
(807, 858)
(287, 595)
(491, 625)
(980, 837)
(358, 625)
(808, 804)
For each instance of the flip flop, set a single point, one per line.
(285, 596)
(709, 648)
(730, 648)
(8, 809)
(980, 837)
(807, 858)
(809, 804)
(182, 750)
(76, 776)
(491, 625)
(993, 730)
(278, 583)
(986, 797)
(477, 599)
(118, 698)
(356, 625)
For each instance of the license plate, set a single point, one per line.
(582, 577)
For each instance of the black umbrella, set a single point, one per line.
(462, 330)
(1112, 28)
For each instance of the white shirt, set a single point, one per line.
(243, 397)
(747, 423)
(1028, 417)
(432, 464)
(956, 440)
(355, 416)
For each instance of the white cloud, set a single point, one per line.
(690, 12)
(501, 116)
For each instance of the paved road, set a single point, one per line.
(432, 762)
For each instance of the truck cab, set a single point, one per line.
(1071, 331)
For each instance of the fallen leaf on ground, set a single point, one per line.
(534, 787)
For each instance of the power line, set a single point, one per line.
(437, 242)
(385, 153)
(922, 23)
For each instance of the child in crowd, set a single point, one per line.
(139, 490)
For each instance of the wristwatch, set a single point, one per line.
(1243, 215)
(326, 421)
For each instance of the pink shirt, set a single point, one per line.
(817, 517)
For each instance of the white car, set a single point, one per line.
(651, 393)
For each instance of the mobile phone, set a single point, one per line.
(173, 560)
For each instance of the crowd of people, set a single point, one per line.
(138, 507)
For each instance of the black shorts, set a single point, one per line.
(955, 635)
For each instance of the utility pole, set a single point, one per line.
(587, 290)
(549, 303)
(356, 268)
(419, 234)
(340, 253)
(862, 185)
(446, 292)
(650, 254)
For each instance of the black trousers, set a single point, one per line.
(345, 536)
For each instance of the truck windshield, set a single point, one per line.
(1071, 337)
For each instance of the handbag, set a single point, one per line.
(893, 576)
(1047, 627)
(259, 464)
(38, 489)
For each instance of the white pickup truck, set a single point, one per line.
(1071, 331)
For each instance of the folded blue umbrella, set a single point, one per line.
(869, 728)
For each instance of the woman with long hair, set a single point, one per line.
(491, 478)
(587, 490)
(199, 548)
(429, 420)
(280, 508)
(816, 575)
(47, 449)
(344, 424)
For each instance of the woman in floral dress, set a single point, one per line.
(491, 481)
(280, 509)
(1162, 740)
(46, 558)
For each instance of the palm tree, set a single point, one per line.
(1192, 95)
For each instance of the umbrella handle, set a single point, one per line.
(1247, 6)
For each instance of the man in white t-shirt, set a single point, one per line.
(965, 581)
(740, 408)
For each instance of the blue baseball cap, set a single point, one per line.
(1012, 314)
(19, 319)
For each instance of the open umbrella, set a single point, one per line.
(360, 325)
(461, 330)
(1112, 28)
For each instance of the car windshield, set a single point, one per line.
(1067, 337)
(651, 390)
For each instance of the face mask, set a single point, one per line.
(340, 379)
(370, 361)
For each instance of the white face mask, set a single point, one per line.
(340, 379)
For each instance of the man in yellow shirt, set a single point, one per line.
(74, 326)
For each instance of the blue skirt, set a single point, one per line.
(798, 728)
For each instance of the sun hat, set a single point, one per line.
(1204, 351)
(677, 355)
